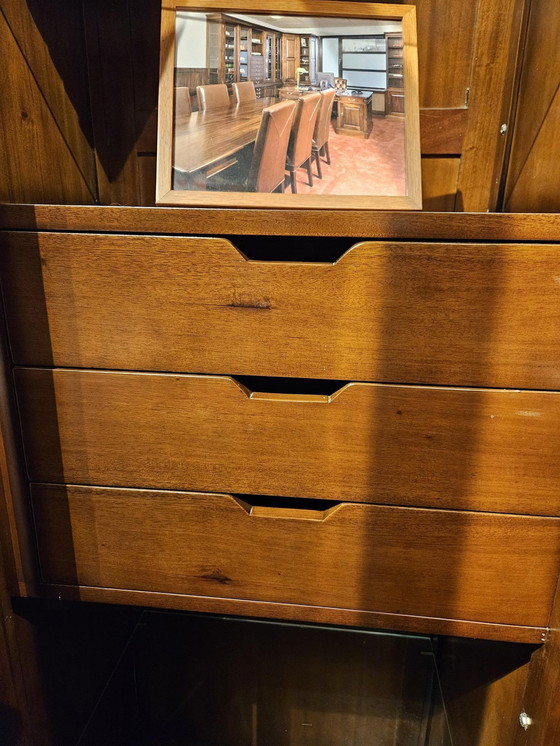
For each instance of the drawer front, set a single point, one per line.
(467, 315)
(471, 566)
(458, 448)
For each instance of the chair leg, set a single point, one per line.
(316, 153)
(293, 181)
(309, 172)
(327, 153)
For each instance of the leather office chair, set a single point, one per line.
(212, 97)
(244, 91)
(182, 102)
(263, 170)
(301, 139)
(322, 130)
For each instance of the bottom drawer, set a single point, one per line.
(461, 565)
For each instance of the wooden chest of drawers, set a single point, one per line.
(370, 441)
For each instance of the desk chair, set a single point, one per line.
(212, 97)
(322, 130)
(301, 139)
(182, 101)
(244, 91)
(264, 169)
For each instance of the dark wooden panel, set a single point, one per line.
(482, 685)
(498, 31)
(442, 131)
(440, 314)
(36, 161)
(533, 180)
(402, 226)
(57, 63)
(395, 560)
(540, 702)
(457, 448)
(111, 73)
(439, 183)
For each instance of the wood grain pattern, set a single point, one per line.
(35, 159)
(442, 131)
(57, 64)
(480, 315)
(457, 448)
(403, 226)
(498, 32)
(533, 176)
(439, 183)
(446, 33)
(393, 560)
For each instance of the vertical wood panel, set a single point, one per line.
(111, 76)
(533, 182)
(439, 183)
(498, 31)
(35, 158)
(57, 63)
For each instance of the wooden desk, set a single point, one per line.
(354, 114)
(204, 141)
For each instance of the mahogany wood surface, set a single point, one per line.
(205, 138)
(462, 314)
(458, 448)
(532, 179)
(540, 700)
(393, 560)
(402, 226)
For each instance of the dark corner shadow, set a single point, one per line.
(108, 60)
(10, 726)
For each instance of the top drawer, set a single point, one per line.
(470, 315)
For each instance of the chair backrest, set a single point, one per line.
(341, 84)
(212, 96)
(268, 166)
(244, 91)
(323, 122)
(182, 102)
(301, 139)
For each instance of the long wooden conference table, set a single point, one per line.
(206, 140)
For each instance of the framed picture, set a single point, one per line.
(294, 104)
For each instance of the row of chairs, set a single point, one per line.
(211, 97)
(291, 135)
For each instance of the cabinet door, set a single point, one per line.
(351, 116)
(290, 55)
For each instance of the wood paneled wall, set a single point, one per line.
(80, 97)
(533, 182)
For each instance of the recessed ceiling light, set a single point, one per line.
(277, 17)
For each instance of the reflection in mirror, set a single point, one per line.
(280, 109)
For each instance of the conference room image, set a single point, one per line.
(289, 104)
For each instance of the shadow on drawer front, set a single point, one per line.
(445, 314)
(384, 559)
(433, 447)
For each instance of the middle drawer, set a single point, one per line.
(473, 449)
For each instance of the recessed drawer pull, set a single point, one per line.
(289, 508)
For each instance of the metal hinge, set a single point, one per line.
(467, 94)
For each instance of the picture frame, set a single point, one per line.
(197, 153)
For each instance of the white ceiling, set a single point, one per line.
(320, 26)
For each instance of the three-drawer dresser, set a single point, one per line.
(368, 436)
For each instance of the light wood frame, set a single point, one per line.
(406, 14)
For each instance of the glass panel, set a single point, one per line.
(364, 61)
(363, 45)
(201, 680)
(365, 79)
